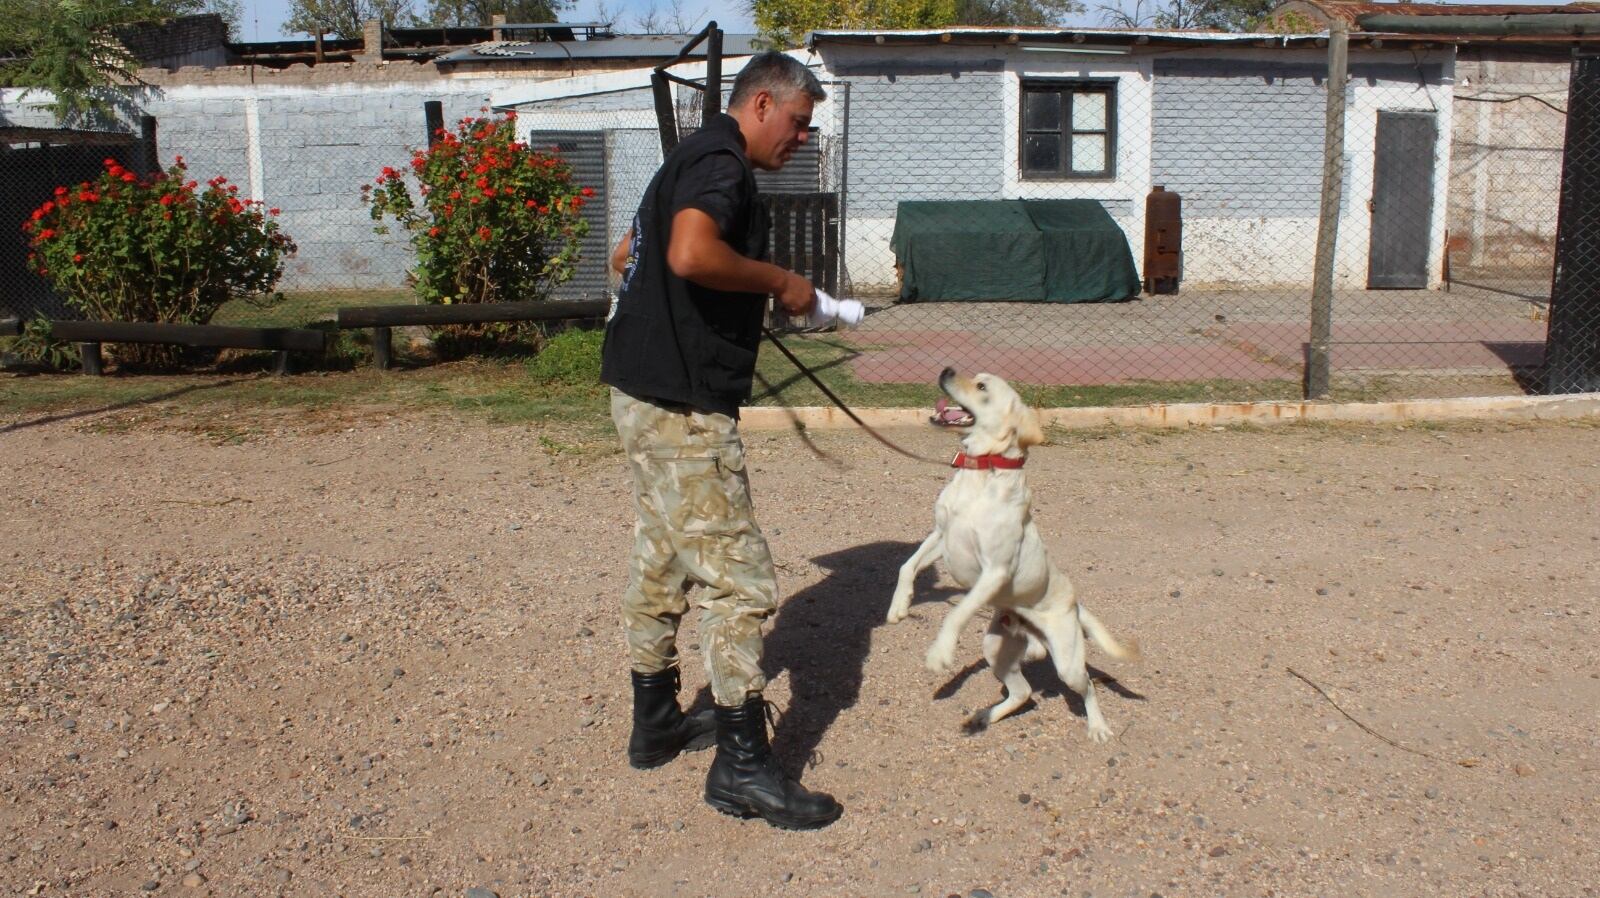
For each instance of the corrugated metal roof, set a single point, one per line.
(1011, 34)
(647, 46)
(1351, 12)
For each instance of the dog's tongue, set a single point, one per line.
(946, 412)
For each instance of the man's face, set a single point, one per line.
(780, 127)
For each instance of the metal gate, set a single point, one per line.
(1572, 348)
(585, 152)
(805, 235)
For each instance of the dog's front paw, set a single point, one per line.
(1099, 732)
(899, 609)
(941, 656)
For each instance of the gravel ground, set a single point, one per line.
(379, 656)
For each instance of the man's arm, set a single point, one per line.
(619, 256)
(698, 253)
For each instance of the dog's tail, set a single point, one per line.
(1128, 651)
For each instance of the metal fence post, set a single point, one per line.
(1318, 366)
(713, 92)
(149, 157)
(433, 114)
(844, 184)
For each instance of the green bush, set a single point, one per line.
(493, 220)
(157, 249)
(569, 359)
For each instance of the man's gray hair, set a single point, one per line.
(778, 74)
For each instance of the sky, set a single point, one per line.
(263, 19)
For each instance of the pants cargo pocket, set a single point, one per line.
(703, 492)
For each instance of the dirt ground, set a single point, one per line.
(379, 655)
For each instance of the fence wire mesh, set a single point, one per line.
(998, 217)
(1572, 362)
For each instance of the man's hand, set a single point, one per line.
(797, 296)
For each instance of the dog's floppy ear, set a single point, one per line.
(1029, 433)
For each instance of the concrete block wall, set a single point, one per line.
(308, 152)
(1241, 142)
(915, 137)
(1238, 145)
(1506, 157)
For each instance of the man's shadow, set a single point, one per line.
(823, 634)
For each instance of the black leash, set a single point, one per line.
(840, 404)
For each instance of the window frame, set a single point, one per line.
(1066, 87)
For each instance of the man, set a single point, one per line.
(680, 352)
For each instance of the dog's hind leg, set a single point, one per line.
(1069, 652)
(1004, 647)
(926, 554)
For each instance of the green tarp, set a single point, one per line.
(1011, 250)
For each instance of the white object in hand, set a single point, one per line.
(848, 311)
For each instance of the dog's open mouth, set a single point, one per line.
(951, 414)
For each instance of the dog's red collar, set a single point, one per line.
(985, 462)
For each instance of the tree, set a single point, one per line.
(1015, 12)
(231, 11)
(784, 23)
(480, 12)
(69, 49)
(673, 20)
(344, 19)
(1207, 15)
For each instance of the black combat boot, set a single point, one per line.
(660, 728)
(746, 781)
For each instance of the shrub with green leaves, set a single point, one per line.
(157, 249)
(491, 219)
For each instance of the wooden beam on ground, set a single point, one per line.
(277, 339)
(469, 313)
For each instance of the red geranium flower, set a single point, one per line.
(484, 233)
(588, 191)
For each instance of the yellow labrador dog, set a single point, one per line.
(984, 531)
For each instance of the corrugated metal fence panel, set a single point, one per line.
(585, 151)
(803, 174)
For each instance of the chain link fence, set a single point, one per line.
(1127, 229)
(1007, 242)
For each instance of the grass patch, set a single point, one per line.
(557, 386)
(302, 307)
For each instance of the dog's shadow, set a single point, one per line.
(822, 635)
(1046, 684)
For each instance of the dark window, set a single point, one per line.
(1069, 129)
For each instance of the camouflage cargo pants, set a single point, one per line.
(695, 525)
